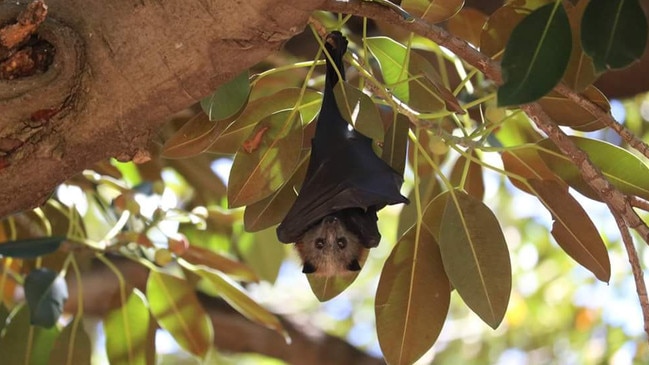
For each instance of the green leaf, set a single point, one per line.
(620, 167)
(228, 98)
(359, 110)
(46, 293)
(433, 11)
(127, 331)
(516, 129)
(412, 298)
(231, 138)
(429, 188)
(234, 295)
(392, 57)
(328, 287)
(194, 137)
(263, 252)
(564, 111)
(24, 344)
(468, 175)
(475, 257)
(266, 166)
(176, 308)
(573, 229)
(526, 162)
(536, 55)
(580, 72)
(395, 144)
(72, 347)
(202, 256)
(271, 210)
(31, 247)
(613, 33)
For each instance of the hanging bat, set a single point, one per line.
(333, 221)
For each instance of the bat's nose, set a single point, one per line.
(329, 219)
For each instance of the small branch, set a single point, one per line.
(638, 276)
(639, 203)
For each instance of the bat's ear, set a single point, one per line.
(308, 268)
(354, 266)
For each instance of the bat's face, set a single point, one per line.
(329, 248)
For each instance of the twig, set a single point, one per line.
(639, 203)
(638, 276)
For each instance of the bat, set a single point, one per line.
(333, 221)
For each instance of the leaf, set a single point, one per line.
(256, 175)
(528, 164)
(620, 167)
(231, 138)
(23, 344)
(429, 188)
(264, 253)
(427, 91)
(328, 287)
(467, 24)
(432, 11)
(580, 72)
(72, 347)
(536, 55)
(573, 229)
(412, 298)
(392, 58)
(613, 33)
(31, 247)
(516, 130)
(471, 173)
(395, 144)
(228, 98)
(271, 210)
(46, 293)
(208, 258)
(475, 257)
(234, 295)
(127, 331)
(359, 110)
(498, 28)
(174, 305)
(564, 111)
(194, 137)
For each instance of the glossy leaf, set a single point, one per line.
(23, 344)
(46, 293)
(176, 308)
(208, 258)
(264, 253)
(228, 98)
(516, 130)
(392, 58)
(573, 229)
(234, 295)
(580, 72)
(564, 111)
(72, 347)
(623, 169)
(328, 287)
(432, 11)
(194, 137)
(231, 138)
(467, 24)
(359, 110)
(475, 257)
(395, 144)
(469, 172)
(429, 188)
(412, 298)
(271, 210)
(613, 33)
(30, 247)
(498, 28)
(257, 174)
(127, 331)
(528, 164)
(536, 55)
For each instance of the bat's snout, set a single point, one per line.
(330, 219)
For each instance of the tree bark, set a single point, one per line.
(120, 69)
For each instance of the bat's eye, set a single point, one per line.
(342, 242)
(319, 243)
